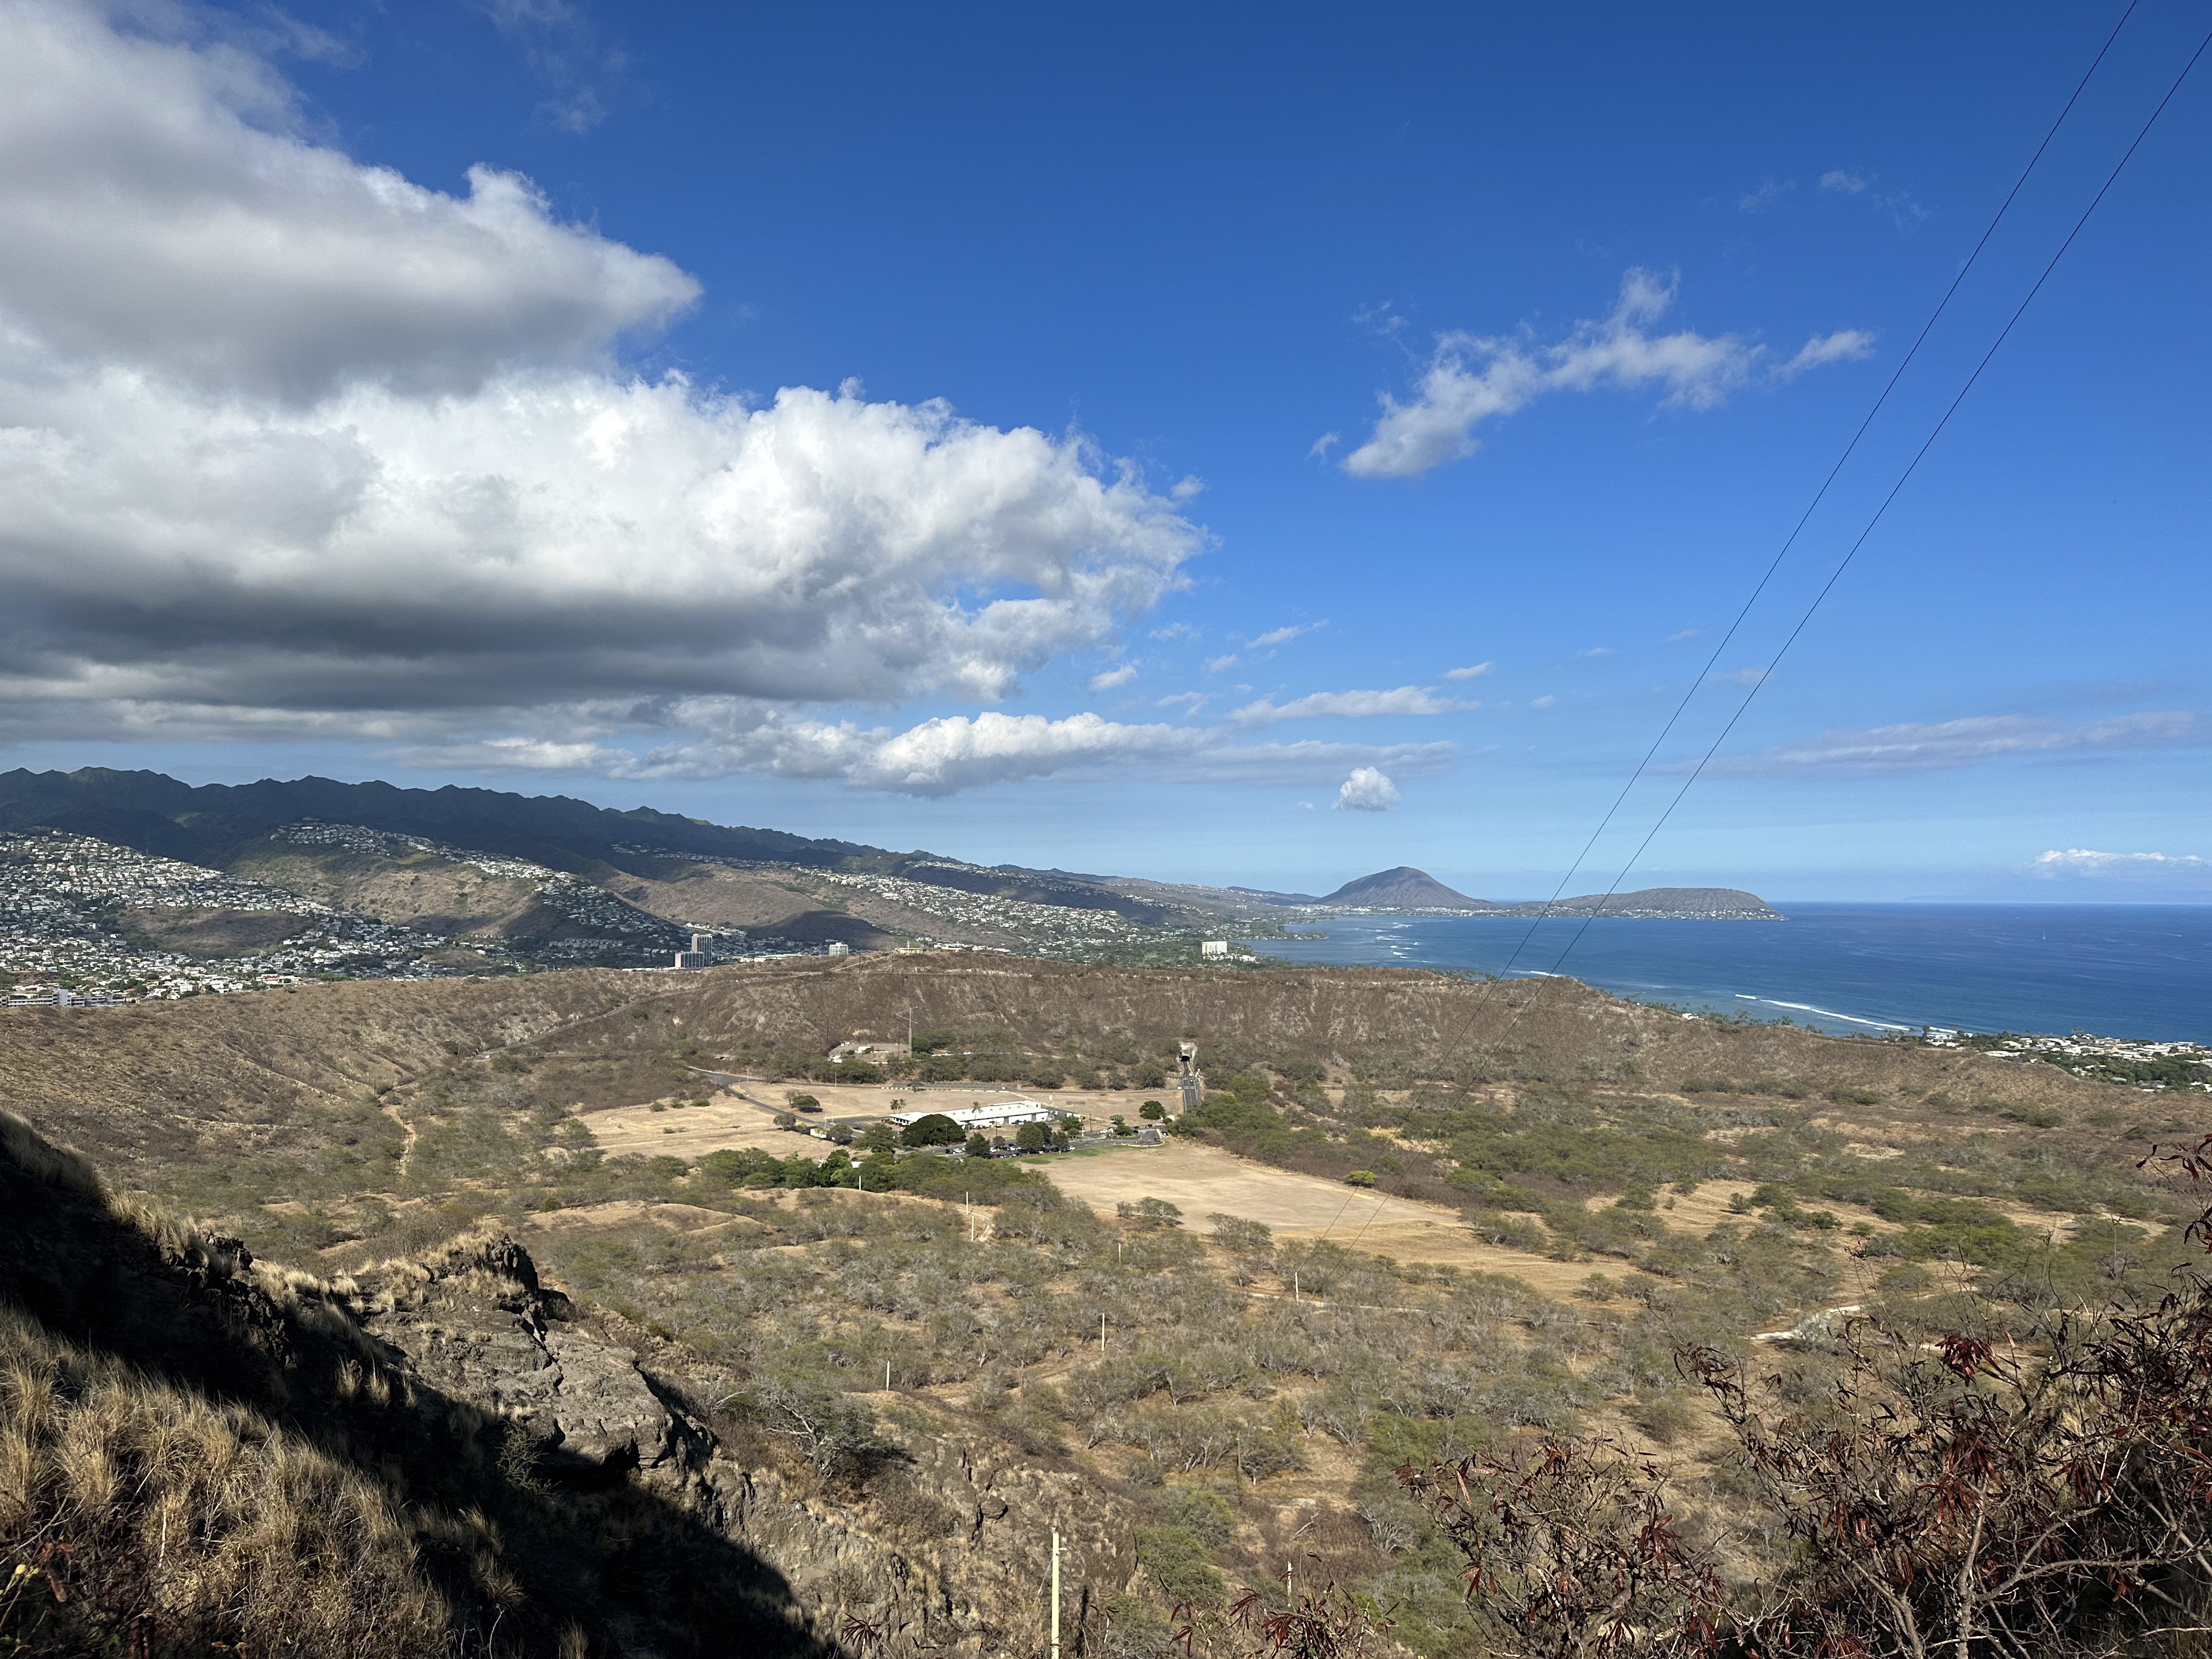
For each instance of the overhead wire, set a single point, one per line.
(1818, 495)
(1911, 466)
(1645, 764)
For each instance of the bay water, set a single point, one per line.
(2124, 971)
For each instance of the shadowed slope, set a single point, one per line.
(197, 1451)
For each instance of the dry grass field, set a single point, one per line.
(1567, 1190)
(1203, 1182)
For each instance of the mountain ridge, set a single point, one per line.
(623, 850)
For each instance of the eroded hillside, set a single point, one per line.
(916, 1365)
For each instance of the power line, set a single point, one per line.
(1910, 467)
(1818, 495)
(1644, 765)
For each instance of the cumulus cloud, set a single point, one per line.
(1470, 378)
(1768, 193)
(2082, 861)
(1367, 790)
(297, 445)
(1284, 636)
(1356, 705)
(1949, 744)
(1113, 678)
(1216, 665)
(935, 757)
(1474, 672)
(160, 213)
(1843, 180)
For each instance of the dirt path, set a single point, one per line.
(407, 1141)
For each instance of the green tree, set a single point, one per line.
(878, 1137)
(935, 1130)
(1151, 1111)
(978, 1146)
(1031, 1138)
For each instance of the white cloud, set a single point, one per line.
(1356, 705)
(1596, 651)
(1176, 631)
(1949, 744)
(1471, 378)
(1111, 678)
(1768, 193)
(1216, 664)
(1367, 790)
(2082, 861)
(1742, 676)
(160, 213)
(1471, 673)
(1685, 634)
(1284, 636)
(564, 51)
(1307, 763)
(935, 757)
(1189, 702)
(1544, 702)
(298, 446)
(1844, 345)
(1904, 212)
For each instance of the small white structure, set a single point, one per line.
(696, 956)
(855, 1049)
(838, 948)
(1213, 947)
(999, 1114)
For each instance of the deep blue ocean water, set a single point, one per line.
(2127, 970)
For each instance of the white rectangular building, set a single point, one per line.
(999, 1114)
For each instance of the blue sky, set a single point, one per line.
(1193, 391)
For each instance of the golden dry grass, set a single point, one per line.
(186, 1519)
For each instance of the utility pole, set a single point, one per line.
(1102, 1336)
(1055, 1593)
(887, 1376)
(1286, 1585)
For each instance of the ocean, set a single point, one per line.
(2122, 970)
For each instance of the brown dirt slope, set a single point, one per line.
(143, 1084)
(421, 890)
(786, 904)
(140, 1083)
(1374, 1021)
(207, 931)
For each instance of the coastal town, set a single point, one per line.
(85, 922)
(2147, 1065)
